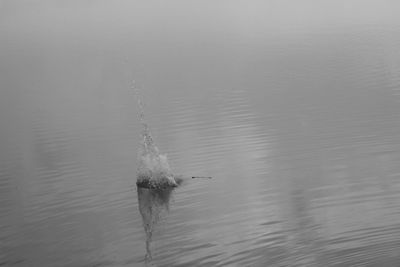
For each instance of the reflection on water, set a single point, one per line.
(152, 204)
(299, 128)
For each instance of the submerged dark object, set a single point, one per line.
(158, 184)
(152, 185)
(164, 184)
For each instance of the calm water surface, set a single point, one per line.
(300, 132)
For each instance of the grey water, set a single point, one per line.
(293, 110)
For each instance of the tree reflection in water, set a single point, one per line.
(152, 202)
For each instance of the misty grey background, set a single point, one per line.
(292, 106)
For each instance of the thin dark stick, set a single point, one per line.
(201, 177)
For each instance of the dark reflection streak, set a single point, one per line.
(301, 161)
(306, 239)
(152, 202)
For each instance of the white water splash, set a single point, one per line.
(153, 168)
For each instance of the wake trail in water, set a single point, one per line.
(153, 169)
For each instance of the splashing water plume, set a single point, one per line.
(153, 169)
